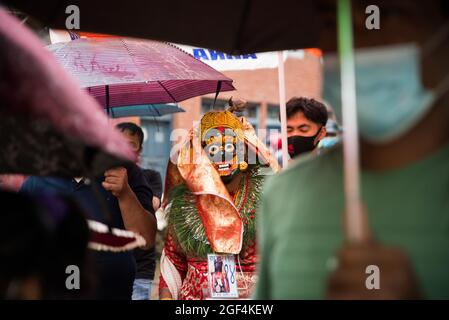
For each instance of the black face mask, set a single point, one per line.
(300, 144)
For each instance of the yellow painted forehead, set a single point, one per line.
(221, 119)
(214, 135)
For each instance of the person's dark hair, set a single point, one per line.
(313, 110)
(133, 129)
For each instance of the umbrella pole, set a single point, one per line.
(108, 109)
(283, 108)
(217, 91)
(353, 216)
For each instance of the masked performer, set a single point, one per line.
(213, 192)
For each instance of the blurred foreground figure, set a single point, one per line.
(213, 193)
(403, 112)
(127, 199)
(40, 237)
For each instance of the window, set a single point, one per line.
(252, 111)
(207, 104)
(273, 123)
(273, 112)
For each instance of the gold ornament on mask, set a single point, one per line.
(243, 166)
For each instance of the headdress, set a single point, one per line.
(221, 119)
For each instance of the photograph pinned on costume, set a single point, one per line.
(222, 276)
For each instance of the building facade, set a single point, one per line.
(259, 87)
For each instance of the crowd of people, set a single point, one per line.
(210, 206)
(236, 220)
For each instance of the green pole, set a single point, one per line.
(354, 216)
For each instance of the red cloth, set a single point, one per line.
(11, 182)
(196, 279)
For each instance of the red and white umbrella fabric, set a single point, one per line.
(48, 125)
(123, 72)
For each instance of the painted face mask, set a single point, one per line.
(223, 143)
(390, 96)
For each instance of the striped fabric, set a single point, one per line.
(123, 72)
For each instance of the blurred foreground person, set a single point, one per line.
(40, 237)
(213, 192)
(127, 198)
(403, 112)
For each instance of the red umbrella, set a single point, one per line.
(48, 126)
(123, 72)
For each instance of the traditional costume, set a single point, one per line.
(203, 216)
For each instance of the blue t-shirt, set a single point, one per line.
(114, 272)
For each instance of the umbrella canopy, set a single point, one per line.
(123, 72)
(235, 27)
(48, 125)
(145, 110)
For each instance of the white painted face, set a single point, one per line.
(220, 146)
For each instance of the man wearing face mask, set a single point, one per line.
(402, 82)
(306, 125)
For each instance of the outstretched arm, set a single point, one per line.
(135, 217)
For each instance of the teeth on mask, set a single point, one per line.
(223, 166)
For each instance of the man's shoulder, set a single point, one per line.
(150, 171)
(42, 184)
(140, 186)
(151, 174)
(133, 168)
(135, 175)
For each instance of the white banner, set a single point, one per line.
(226, 62)
(217, 60)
